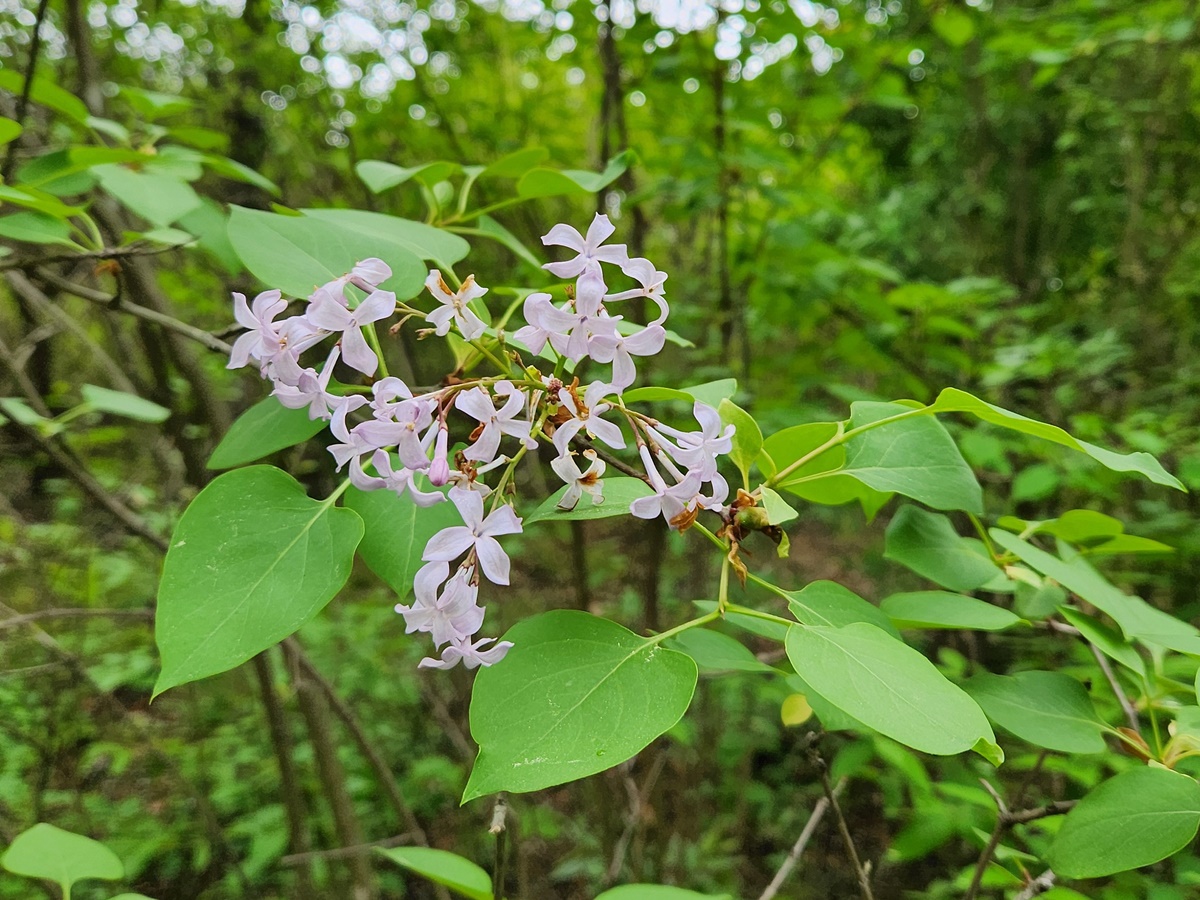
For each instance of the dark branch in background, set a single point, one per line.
(27, 618)
(793, 857)
(1005, 819)
(35, 46)
(637, 802)
(133, 250)
(306, 859)
(117, 304)
(1131, 713)
(862, 872)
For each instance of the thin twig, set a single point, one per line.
(637, 801)
(793, 857)
(1005, 819)
(1131, 713)
(75, 614)
(862, 872)
(117, 304)
(1039, 885)
(29, 262)
(298, 859)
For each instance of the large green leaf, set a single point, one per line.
(928, 544)
(717, 652)
(618, 493)
(63, 857)
(45, 93)
(443, 867)
(941, 609)
(915, 457)
(396, 532)
(574, 696)
(423, 240)
(159, 199)
(296, 254)
(889, 686)
(954, 400)
(120, 403)
(252, 560)
(265, 428)
(541, 182)
(515, 164)
(829, 603)
(35, 227)
(1048, 709)
(1133, 820)
(747, 437)
(380, 176)
(710, 393)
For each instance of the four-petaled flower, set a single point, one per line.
(471, 653)
(476, 534)
(477, 403)
(262, 342)
(579, 482)
(332, 316)
(587, 417)
(454, 306)
(590, 253)
(452, 615)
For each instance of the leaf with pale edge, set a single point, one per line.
(252, 560)
(575, 695)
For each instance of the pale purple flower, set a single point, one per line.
(333, 317)
(415, 414)
(591, 323)
(545, 321)
(669, 501)
(399, 481)
(620, 350)
(310, 390)
(588, 418)
(579, 482)
(698, 449)
(454, 306)
(477, 403)
(263, 340)
(478, 534)
(452, 615)
(471, 654)
(651, 280)
(363, 438)
(439, 468)
(366, 275)
(589, 252)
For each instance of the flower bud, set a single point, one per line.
(439, 469)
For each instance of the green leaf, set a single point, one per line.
(717, 652)
(574, 696)
(120, 403)
(888, 686)
(1082, 526)
(236, 171)
(422, 240)
(514, 165)
(1047, 709)
(1107, 641)
(786, 447)
(63, 857)
(210, 224)
(775, 631)
(953, 400)
(443, 867)
(915, 457)
(37, 228)
(711, 393)
(541, 182)
(265, 428)
(45, 93)
(380, 176)
(252, 560)
(778, 509)
(657, 892)
(941, 609)
(829, 603)
(31, 198)
(159, 199)
(1133, 820)
(152, 105)
(396, 532)
(928, 544)
(297, 254)
(747, 437)
(10, 130)
(618, 493)
(490, 228)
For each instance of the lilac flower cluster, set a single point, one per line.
(396, 440)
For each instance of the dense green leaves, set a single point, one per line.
(1048, 709)
(890, 687)
(574, 696)
(252, 559)
(45, 851)
(396, 532)
(442, 867)
(1133, 820)
(928, 544)
(618, 493)
(265, 428)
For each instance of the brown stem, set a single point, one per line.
(35, 47)
(1005, 819)
(307, 859)
(75, 614)
(1131, 713)
(313, 707)
(797, 850)
(862, 872)
(42, 259)
(299, 839)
